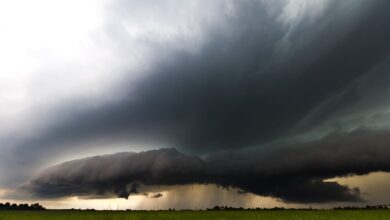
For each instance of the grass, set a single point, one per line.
(190, 215)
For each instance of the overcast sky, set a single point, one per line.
(273, 99)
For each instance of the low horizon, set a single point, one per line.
(190, 105)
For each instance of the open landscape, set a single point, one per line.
(199, 215)
(38, 212)
(194, 109)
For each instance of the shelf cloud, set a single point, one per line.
(270, 97)
(297, 174)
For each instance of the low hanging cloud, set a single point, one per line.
(230, 77)
(245, 85)
(297, 174)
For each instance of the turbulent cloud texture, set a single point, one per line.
(271, 97)
(293, 175)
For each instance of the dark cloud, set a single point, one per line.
(156, 196)
(243, 88)
(235, 92)
(296, 174)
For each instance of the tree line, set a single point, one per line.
(9, 206)
(222, 208)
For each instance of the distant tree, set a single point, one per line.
(14, 206)
(8, 206)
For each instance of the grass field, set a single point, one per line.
(231, 215)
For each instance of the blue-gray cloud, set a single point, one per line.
(294, 174)
(253, 80)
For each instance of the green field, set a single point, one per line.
(119, 215)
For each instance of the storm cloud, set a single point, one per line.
(270, 97)
(297, 174)
(245, 86)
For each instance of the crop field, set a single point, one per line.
(231, 215)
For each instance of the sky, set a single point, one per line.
(114, 104)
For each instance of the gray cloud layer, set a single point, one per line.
(236, 92)
(256, 78)
(295, 174)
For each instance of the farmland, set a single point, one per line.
(215, 215)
